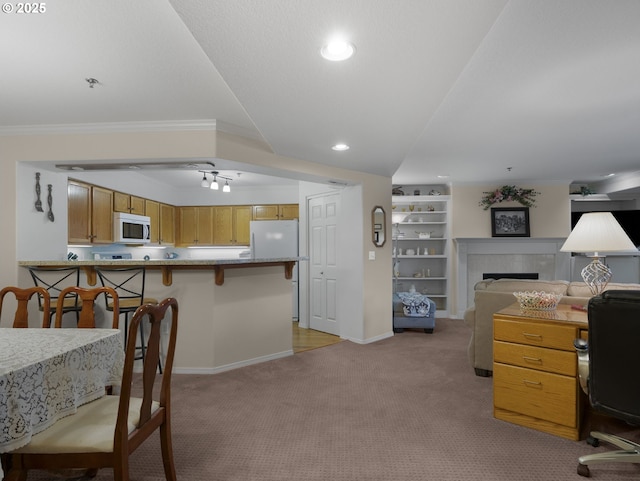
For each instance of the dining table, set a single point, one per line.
(46, 374)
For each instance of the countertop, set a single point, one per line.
(160, 262)
(168, 265)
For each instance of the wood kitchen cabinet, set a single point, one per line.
(195, 225)
(231, 225)
(128, 203)
(167, 224)
(90, 214)
(162, 222)
(275, 212)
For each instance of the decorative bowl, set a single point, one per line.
(538, 300)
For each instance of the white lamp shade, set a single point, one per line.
(598, 232)
(214, 185)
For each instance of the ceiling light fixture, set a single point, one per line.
(91, 81)
(214, 183)
(337, 50)
(340, 147)
(205, 182)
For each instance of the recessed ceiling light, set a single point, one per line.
(340, 147)
(444, 176)
(609, 175)
(338, 50)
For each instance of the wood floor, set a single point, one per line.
(307, 339)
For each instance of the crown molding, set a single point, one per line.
(113, 127)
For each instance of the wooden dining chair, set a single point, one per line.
(105, 432)
(23, 296)
(86, 301)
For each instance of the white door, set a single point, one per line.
(323, 271)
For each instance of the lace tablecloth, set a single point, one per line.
(45, 374)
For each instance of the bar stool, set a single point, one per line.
(129, 284)
(23, 296)
(54, 280)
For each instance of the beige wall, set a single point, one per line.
(373, 288)
(551, 216)
(375, 280)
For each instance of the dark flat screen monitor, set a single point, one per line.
(628, 219)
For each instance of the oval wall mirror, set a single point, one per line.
(378, 226)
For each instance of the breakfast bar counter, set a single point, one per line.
(233, 312)
(166, 266)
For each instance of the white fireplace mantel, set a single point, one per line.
(512, 254)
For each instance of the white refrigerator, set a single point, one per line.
(273, 239)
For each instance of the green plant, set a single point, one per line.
(509, 193)
(584, 191)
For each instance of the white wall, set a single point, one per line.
(37, 237)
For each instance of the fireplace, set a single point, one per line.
(512, 257)
(510, 275)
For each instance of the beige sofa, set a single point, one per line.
(492, 295)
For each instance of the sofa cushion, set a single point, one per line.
(580, 289)
(514, 285)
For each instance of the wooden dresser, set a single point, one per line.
(535, 373)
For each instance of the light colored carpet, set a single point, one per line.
(408, 408)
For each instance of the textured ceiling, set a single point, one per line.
(490, 91)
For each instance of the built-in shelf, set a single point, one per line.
(426, 267)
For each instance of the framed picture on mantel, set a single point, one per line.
(510, 222)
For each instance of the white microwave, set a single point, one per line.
(131, 228)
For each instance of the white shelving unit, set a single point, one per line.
(421, 247)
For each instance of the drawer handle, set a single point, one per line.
(532, 359)
(532, 336)
(532, 383)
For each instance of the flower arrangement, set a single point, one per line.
(509, 193)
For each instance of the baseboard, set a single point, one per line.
(371, 339)
(234, 365)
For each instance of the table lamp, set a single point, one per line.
(597, 232)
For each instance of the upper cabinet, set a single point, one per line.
(90, 214)
(195, 226)
(167, 224)
(162, 222)
(275, 212)
(91, 211)
(128, 203)
(232, 225)
(152, 209)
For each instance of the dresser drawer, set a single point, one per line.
(549, 360)
(538, 394)
(535, 334)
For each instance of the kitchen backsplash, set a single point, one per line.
(156, 253)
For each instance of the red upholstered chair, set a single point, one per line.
(23, 296)
(105, 432)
